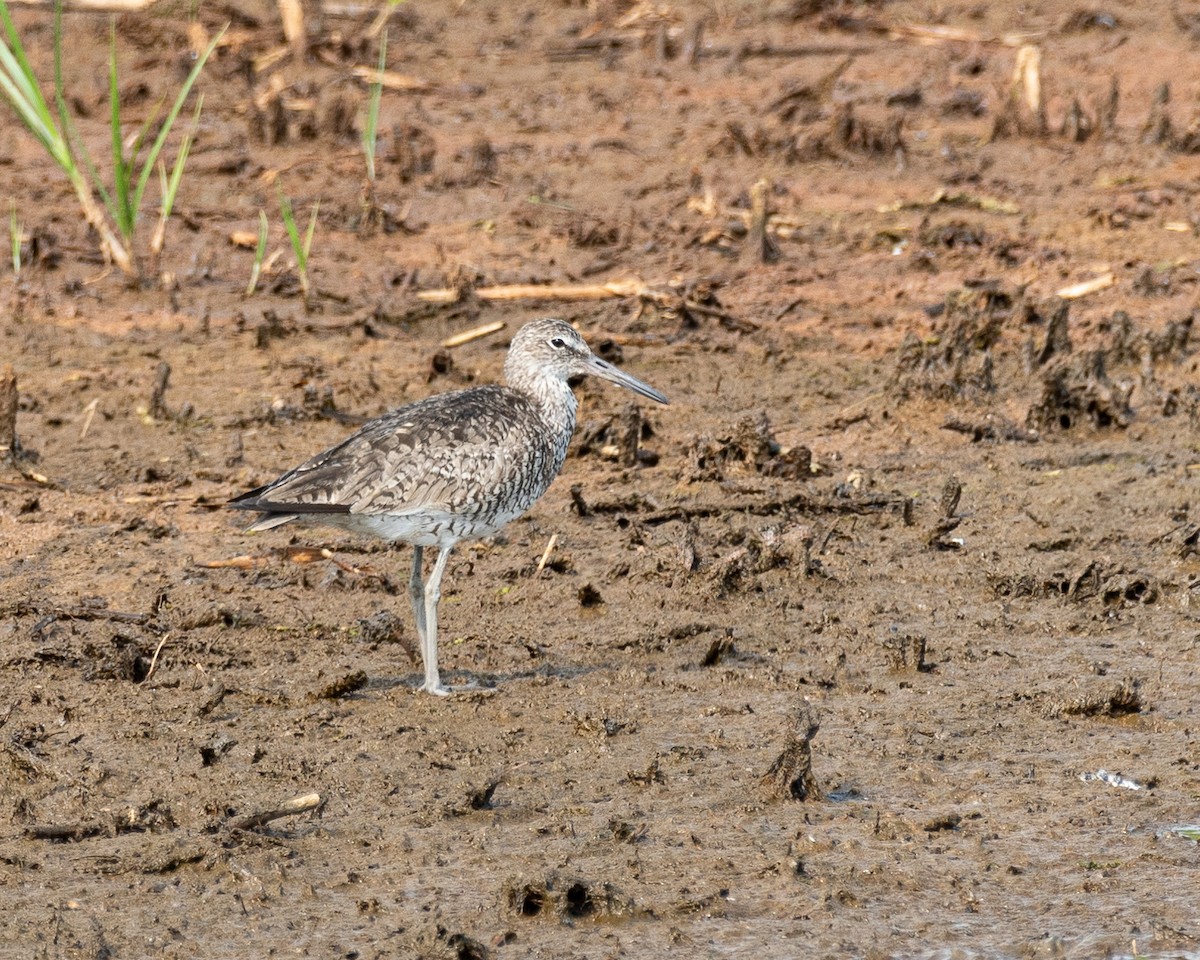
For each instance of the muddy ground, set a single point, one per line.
(901, 491)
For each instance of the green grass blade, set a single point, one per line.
(19, 86)
(171, 188)
(120, 209)
(73, 147)
(260, 251)
(169, 121)
(371, 127)
(289, 223)
(308, 235)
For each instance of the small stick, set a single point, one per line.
(1028, 75)
(291, 13)
(300, 804)
(1077, 290)
(523, 291)
(88, 413)
(154, 659)
(546, 553)
(459, 339)
(390, 79)
(116, 6)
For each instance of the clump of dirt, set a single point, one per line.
(791, 774)
(749, 446)
(956, 360)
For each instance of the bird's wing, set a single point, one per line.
(442, 453)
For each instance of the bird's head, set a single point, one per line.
(553, 348)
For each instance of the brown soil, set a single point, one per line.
(962, 539)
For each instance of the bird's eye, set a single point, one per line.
(558, 342)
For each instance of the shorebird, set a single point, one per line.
(453, 467)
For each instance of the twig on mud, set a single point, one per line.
(116, 6)
(89, 413)
(301, 804)
(546, 553)
(477, 333)
(1082, 289)
(938, 33)
(154, 659)
(525, 291)
(390, 79)
(291, 13)
(301, 555)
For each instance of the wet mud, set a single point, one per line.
(879, 641)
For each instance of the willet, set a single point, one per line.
(453, 467)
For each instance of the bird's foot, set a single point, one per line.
(441, 690)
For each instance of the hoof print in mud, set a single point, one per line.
(567, 899)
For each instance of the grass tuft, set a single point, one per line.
(301, 246)
(116, 218)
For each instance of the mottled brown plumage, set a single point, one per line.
(453, 467)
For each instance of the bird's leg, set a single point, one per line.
(433, 593)
(416, 593)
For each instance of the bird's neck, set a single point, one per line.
(556, 404)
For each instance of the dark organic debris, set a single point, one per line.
(1077, 389)
(589, 596)
(907, 653)
(566, 899)
(992, 427)
(413, 152)
(10, 447)
(466, 947)
(1113, 587)
(1056, 313)
(957, 361)
(938, 537)
(790, 776)
(750, 445)
(123, 659)
(719, 649)
(877, 138)
(475, 797)
(1121, 588)
(215, 748)
(152, 817)
(1113, 701)
(383, 627)
(618, 438)
(761, 550)
(343, 686)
